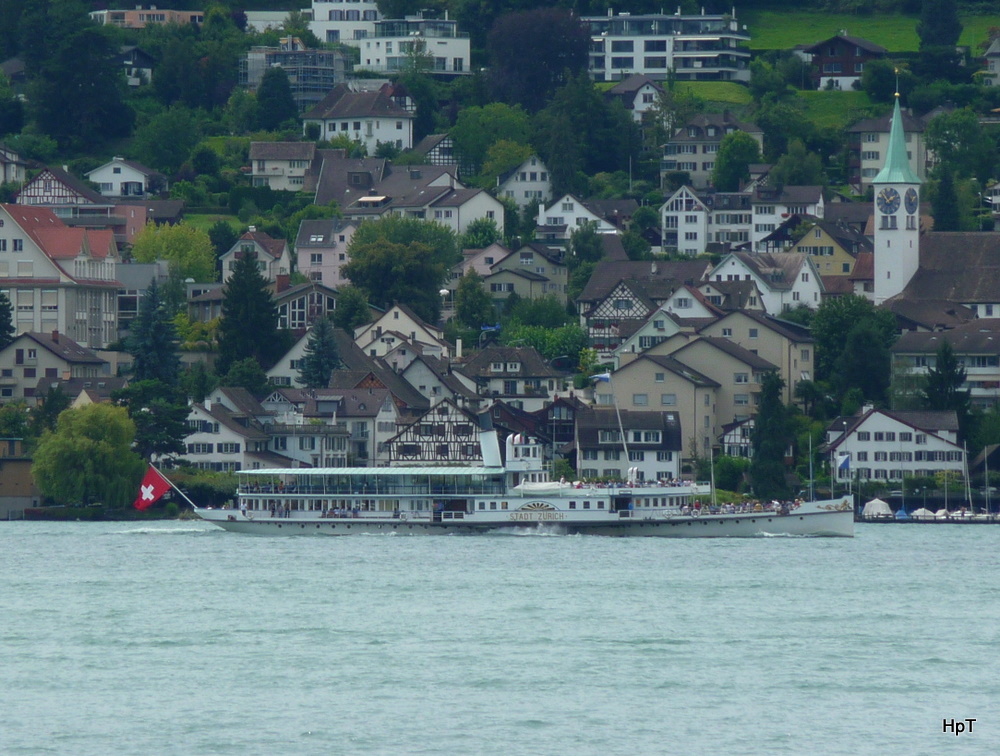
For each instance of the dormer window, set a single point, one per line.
(496, 367)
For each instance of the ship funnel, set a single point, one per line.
(488, 443)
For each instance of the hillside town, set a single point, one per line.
(381, 233)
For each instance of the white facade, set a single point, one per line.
(528, 185)
(695, 48)
(684, 222)
(344, 20)
(770, 210)
(570, 212)
(885, 448)
(394, 44)
(803, 285)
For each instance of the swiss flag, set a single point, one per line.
(153, 486)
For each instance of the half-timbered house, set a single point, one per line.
(445, 435)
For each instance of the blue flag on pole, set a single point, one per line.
(601, 378)
(845, 462)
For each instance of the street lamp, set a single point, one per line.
(444, 296)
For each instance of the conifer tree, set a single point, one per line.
(152, 341)
(6, 321)
(321, 357)
(771, 435)
(249, 325)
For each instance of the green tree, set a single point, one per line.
(188, 249)
(390, 272)
(480, 234)
(89, 457)
(159, 412)
(47, 411)
(296, 24)
(223, 236)
(473, 306)
(944, 387)
(730, 472)
(15, 420)
(865, 362)
(477, 129)
(152, 341)
(772, 433)
(75, 82)
(961, 144)
(240, 115)
(246, 373)
(938, 25)
(352, 310)
(559, 42)
(765, 81)
(165, 141)
(198, 381)
(944, 205)
(737, 151)
(834, 320)
(321, 357)
(249, 325)
(798, 167)
(6, 321)
(275, 103)
(502, 156)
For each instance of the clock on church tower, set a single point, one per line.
(888, 200)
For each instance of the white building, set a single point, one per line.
(344, 20)
(529, 184)
(395, 44)
(887, 446)
(371, 118)
(695, 48)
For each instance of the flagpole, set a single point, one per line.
(171, 484)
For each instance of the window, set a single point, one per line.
(659, 377)
(741, 378)
(753, 333)
(640, 400)
(727, 333)
(865, 436)
(18, 245)
(668, 400)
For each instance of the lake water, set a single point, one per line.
(179, 638)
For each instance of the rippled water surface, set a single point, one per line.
(178, 638)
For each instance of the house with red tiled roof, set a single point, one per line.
(371, 118)
(274, 258)
(58, 277)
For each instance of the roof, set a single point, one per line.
(531, 364)
(341, 102)
(786, 328)
(962, 267)
(77, 185)
(980, 336)
(676, 367)
(283, 151)
(133, 164)
(67, 242)
(789, 195)
(632, 84)
(837, 285)
(320, 232)
(883, 124)
(897, 163)
(923, 420)
(722, 121)
(274, 247)
(928, 314)
(98, 388)
(63, 347)
(733, 350)
(344, 180)
(777, 270)
(609, 273)
(864, 44)
(591, 420)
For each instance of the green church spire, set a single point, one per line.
(897, 165)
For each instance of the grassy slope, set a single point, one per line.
(782, 30)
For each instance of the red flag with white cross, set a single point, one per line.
(153, 486)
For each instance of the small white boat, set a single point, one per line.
(518, 495)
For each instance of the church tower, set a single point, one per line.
(897, 216)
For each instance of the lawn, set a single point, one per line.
(835, 109)
(725, 92)
(783, 30)
(205, 222)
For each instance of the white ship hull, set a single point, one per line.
(808, 520)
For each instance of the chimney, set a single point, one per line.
(252, 229)
(281, 282)
(208, 404)
(55, 336)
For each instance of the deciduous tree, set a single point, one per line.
(559, 43)
(89, 457)
(736, 152)
(159, 412)
(473, 306)
(188, 249)
(352, 310)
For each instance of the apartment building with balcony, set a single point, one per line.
(704, 47)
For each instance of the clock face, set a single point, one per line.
(911, 201)
(888, 200)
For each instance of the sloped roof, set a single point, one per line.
(63, 347)
(341, 102)
(676, 367)
(864, 44)
(334, 183)
(732, 349)
(632, 84)
(722, 121)
(922, 420)
(283, 151)
(785, 328)
(929, 314)
(66, 178)
(531, 363)
(608, 273)
(592, 420)
(273, 247)
(957, 266)
(68, 242)
(778, 270)
(327, 228)
(981, 336)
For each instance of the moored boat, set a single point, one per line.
(502, 497)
